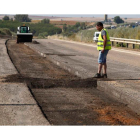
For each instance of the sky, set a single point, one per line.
(91, 15)
(86, 15)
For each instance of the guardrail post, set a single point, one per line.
(133, 46)
(112, 43)
(127, 45)
(117, 43)
(126, 41)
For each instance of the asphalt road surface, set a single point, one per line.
(122, 64)
(64, 98)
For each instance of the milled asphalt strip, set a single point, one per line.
(17, 105)
(10, 57)
(127, 91)
(58, 63)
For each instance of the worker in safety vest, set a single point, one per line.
(103, 46)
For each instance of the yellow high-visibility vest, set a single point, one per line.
(100, 42)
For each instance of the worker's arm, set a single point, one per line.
(104, 43)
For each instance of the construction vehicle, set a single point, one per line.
(23, 34)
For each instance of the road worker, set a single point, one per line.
(103, 46)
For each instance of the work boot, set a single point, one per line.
(97, 75)
(104, 75)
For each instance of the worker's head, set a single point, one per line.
(99, 26)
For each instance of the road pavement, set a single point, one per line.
(6, 67)
(34, 91)
(17, 105)
(64, 98)
(81, 59)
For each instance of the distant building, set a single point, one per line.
(106, 18)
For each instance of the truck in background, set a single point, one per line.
(95, 37)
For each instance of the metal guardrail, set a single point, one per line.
(124, 40)
(127, 41)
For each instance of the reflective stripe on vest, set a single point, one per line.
(103, 41)
(102, 45)
(100, 42)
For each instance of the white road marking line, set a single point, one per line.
(114, 49)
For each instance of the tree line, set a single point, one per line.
(42, 28)
(18, 17)
(69, 30)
